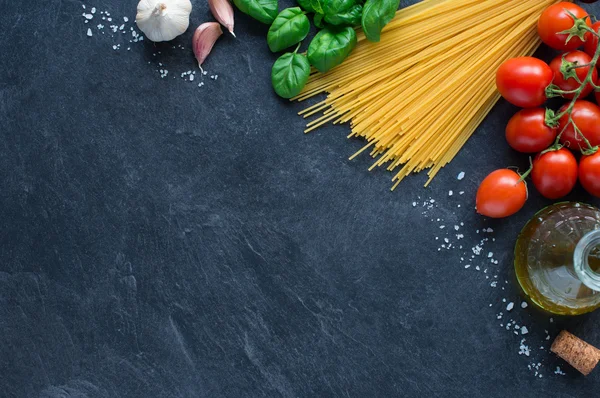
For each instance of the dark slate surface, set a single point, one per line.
(164, 240)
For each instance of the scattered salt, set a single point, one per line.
(523, 349)
(510, 306)
(523, 304)
(461, 175)
(89, 32)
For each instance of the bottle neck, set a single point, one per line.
(588, 247)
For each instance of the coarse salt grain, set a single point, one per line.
(510, 306)
(460, 176)
(523, 304)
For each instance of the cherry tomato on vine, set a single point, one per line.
(527, 131)
(586, 115)
(554, 173)
(570, 84)
(555, 19)
(522, 81)
(589, 173)
(501, 194)
(591, 41)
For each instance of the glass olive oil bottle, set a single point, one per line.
(557, 258)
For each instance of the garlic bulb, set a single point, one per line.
(163, 20)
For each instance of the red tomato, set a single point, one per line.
(597, 95)
(554, 173)
(523, 81)
(554, 20)
(591, 41)
(589, 173)
(527, 131)
(501, 194)
(586, 115)
(579, 58)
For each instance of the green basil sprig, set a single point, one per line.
(351, 17)
(376, 14)
(333, 7)
(264, 11)
(318, 20)
(305, 5)
(330, 47)
(290, 73)
(290, 27)
(317, 6)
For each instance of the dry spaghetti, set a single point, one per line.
(419, 94)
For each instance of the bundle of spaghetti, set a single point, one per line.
(420, 93)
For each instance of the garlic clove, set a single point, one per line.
(223, 12)
(204, 39)
(163, 20)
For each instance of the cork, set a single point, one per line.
(582, 356)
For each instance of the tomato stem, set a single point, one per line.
(579, 26)
(524, 175)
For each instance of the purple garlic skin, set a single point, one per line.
(223, 12)
(204, 39)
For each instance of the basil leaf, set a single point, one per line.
(333, 7)
(289, 74)
(318, 20)
(376, 14)
(264, 11)
(330, 47)
(305, 4)
(317, 6)
(351, 17)
(290, 27)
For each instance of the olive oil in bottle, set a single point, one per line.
(557, 258)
